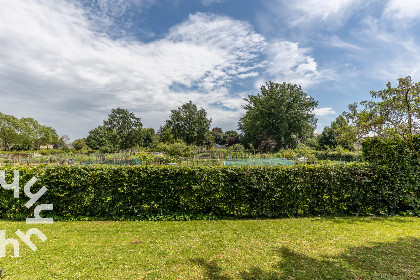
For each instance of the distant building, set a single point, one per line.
(48, 147)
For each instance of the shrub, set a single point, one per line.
(287, 154)
(237, 148)
(177, 149)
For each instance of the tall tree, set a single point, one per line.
(190, 124)
(217, 134)
(281, 112)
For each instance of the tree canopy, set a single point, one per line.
(190, 124)
(392, 112)
(282, 113)
(25, 133)
(337, 134)
(121, 131)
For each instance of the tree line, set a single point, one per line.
(25, 133)
(280, 116)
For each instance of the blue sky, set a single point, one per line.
(67, 63)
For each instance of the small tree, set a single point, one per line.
(396, 113)
(339, 133)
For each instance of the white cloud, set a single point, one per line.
(56, 66)
(210, 2)
(114, 17)
(235, 42)
(403, 10)
(287, 62)
(336, 42)
(308, 11)
(324, 111)
(391, 54)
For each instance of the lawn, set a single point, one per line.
(305, 248)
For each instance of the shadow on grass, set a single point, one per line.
(388, 260)
(368, 219)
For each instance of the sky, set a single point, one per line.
(67, 63)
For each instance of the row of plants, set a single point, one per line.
(151, 192)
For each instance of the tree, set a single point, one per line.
(98, 139)
(121, 131)
(189, 124)
(9, 134)
(395, 113)
(45, 136)
(231, 137)
(148, 137)
(79, 144)
(63, 140)
(339, 133)
(217, 134)
(267, 145)
(24, 133)
(281, 112)
(166, 135)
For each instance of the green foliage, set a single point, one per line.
(121, 131)
(396, 156)
(339, 155)
(312, 142)
(166, 135)
(396, 113)
(392, 152)
(24, 133)
(142, 192)
(339, 133)
(237, 148)
(79, 144)
(148, 137)
(305, 151)
(176, 149)
(190, 124)
(282, 112)
(217, 134)
(287, 154)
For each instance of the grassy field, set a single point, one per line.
(307, 248)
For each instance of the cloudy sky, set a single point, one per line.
(68, 62)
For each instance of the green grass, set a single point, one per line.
(307, 248)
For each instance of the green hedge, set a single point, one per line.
(150, 192)
(339, 156)
(390, 151)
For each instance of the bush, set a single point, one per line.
(305, 151)
(147, 192)
(236, 148)
(390, 151)
(287, 154)
(177, 149)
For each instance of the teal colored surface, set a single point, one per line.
(258, 161)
